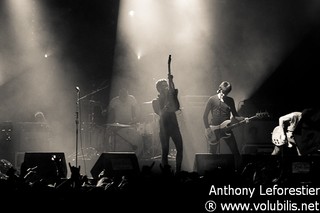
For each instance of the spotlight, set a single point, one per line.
(131, 13)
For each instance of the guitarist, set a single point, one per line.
(287, 125)
(166, 105)
(221, 107)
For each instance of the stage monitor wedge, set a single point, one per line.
(116, 164)
(207, 162)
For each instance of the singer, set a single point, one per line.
(169, 126)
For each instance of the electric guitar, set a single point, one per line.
(173, 103)
(279, 139)
(223, 130)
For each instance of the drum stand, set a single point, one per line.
(149, 134)
(154, 157)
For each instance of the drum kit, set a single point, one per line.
(140, 138)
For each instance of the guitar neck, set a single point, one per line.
(239, 123)
(170, 82)
(169, 62)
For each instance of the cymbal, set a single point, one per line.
(147, 102)
(119, 125)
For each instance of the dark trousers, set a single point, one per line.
(232, 144)
(165, 135)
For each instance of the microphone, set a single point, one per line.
(78, 89)
(219, 90)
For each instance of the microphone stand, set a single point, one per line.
(94, 92)
(91, 117)
(77, 122)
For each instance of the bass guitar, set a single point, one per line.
(223, 130)
(173, 103)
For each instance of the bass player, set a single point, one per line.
(221, 107)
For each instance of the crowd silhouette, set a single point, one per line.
(163, 190)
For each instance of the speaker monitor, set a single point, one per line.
(302, 168)
(207, 162)
(116, 164)
(48, 164)
(292, 169)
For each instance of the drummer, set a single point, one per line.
(122, 119)
(122, 109)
